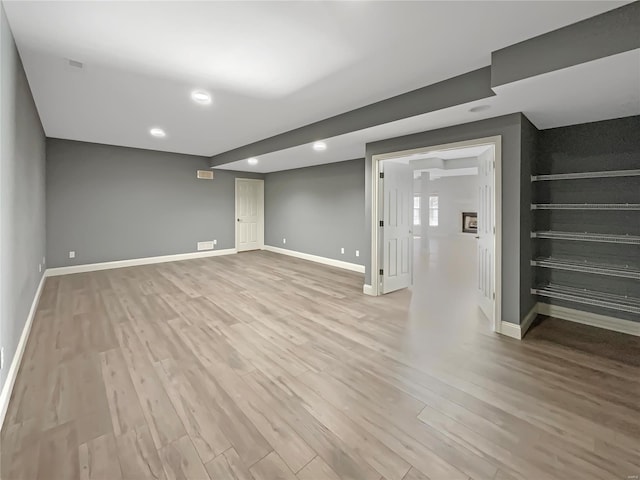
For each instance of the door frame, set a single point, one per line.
(260, 210)
(376, 208)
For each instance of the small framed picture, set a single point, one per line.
(470, 222)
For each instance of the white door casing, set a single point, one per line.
(376, 286)
(397, 235)
(486, 232)
(249, 214)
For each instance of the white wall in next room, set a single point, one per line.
(455, 195)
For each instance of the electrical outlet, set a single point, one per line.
(284, 240)
(72, 254)
(357, 253)
(215, 242)
(342, 250)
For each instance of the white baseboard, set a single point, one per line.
(510, 330)
(7, 388)
(571, 315)
(314, 258)
(92, 267)
(518, 331)
(368, 290)
(592, 319)
(528, 320)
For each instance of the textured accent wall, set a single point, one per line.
(598, 146)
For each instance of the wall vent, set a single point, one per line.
(205, 174)
(205, 245)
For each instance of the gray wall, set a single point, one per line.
(111, 203)
(22, 198)
(318, 210)
(515, 236)
(607, 145)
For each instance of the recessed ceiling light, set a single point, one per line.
(201, 97)
(157, 132)
(480, 108)
(252, 161)
(319, 146)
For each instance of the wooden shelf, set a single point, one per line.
(583, 175)
(589, 297)
(624, 271)
(588, 237)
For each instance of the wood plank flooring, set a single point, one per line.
(262, 367)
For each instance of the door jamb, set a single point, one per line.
(496, 141)
(260, 211)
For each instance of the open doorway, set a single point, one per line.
(437, 219)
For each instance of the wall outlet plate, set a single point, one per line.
(72, 254)
(284, 240)
(357, 253)
(215, 242)
(342, 250)
(208, 245)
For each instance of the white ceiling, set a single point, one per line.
(436, 173)
(271, 66)
(599, 90)
(446, 154)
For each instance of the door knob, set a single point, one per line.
(238, 219)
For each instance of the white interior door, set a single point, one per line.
(397, 236)
(486, 233)
(249, 214)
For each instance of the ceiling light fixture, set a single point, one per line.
(479, 108)
(252, 161)
(201, 97)
(157, 132)
(319, 146)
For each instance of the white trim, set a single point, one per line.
(375, 200)
(260, 211)
(314, 258)
(528, 320)
(496, 141)
(518, 331)
(588, 318)
(92, 267)
(571, 315)
(7, 388)
(367, 290)
(510, 330)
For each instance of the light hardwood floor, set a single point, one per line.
(262, 367)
